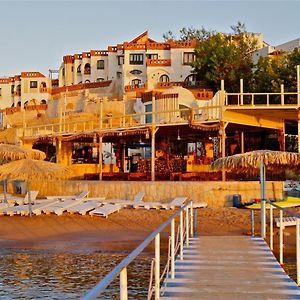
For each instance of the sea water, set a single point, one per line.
(40, 274)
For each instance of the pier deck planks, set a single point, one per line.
(229, 267)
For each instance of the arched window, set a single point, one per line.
(87, 81)
(43, 87)
(87, 69)
(43, 101)
(79, 69)
(100, 79)
(136, 82)
(19, 104)
(191, 78)
(43, 84)
(164, 78)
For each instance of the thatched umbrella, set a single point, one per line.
(27, 169)
(258, 160)
(13, 152)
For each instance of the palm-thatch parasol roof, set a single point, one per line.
(13, 152)
(252, 160)
(27, 169)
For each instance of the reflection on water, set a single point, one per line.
(39, 274)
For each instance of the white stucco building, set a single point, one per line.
(29, 88)
(140, 62)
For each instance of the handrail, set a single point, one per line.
(281, 228)
(102, 285)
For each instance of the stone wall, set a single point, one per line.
(215, 193)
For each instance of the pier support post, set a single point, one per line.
(298, 250)
(123, 284)
(281, 238)
(100, 157)
(181, 235)
(187, 227)
(157, 267)
(173, 248)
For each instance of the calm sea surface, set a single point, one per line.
(39, 274)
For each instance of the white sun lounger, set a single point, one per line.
(38, 208)
(20, 201)
(83, 208)
(79, 195)
(137, 199)
(60, 206)
(105, 210)
(177, 202)
(286, 221)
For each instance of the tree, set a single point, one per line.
(222, 56)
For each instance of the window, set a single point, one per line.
(191, 78)
(0, 92)
(87, 81)
(188, 58)
(79, 69)
(136, 82)
(12, 89)
(119, 75)
(87, 69)
(120, 60)
(136, 59)
(100, 64)
(152, 56)
(100, 79)
(63, 71)
(33, 84)
(164, 78)
(136, 72)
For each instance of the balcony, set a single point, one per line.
(36, 107)
(158, 62)
(87, 71)
(43, 90)
(185, 84)
(135, 87)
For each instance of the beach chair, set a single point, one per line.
(38, 208)
(177, 202)
(80, 195)
(60, 206)
(20, 200)
(125, 203)
(85, 207)
(105, 210)
(286, 221)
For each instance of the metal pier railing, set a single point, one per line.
(185, 232)
(282, 212)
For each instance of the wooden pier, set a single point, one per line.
(229, 267)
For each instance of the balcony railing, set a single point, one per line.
(158, 62)
(185, 84)
(87, 71)
(36, 107)
(261, 99)
(211, 113)
(43, 90)
(135, 87)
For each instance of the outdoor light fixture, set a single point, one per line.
(178, 136)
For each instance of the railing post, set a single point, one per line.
(271, 226)
(181, 235)
(298, 250)
(192, 219)
(281, 238)
(173, 248)
(123, 284)
(252, 223)
(157, 267)
(187, 226)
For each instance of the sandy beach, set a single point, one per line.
(120, 231)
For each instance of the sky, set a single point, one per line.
(35, 35)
